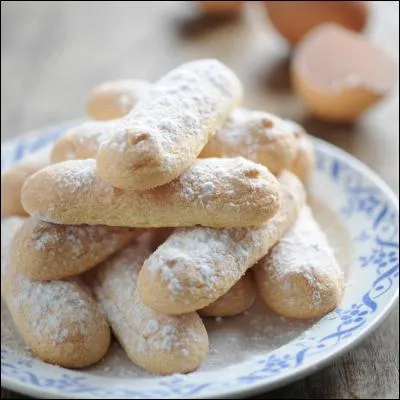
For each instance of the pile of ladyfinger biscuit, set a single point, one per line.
(173, 204)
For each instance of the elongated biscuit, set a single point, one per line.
(196, 266)
(82, 141)
(157, 342)
(239, 298)
(44, 251)
(58, 320)
(256, 135)
(13, 179)
(114, 99)
(213, 192)
(169, 126)
(304, 161)
(300, 277)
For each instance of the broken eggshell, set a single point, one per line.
(339, 74)
(294, 19)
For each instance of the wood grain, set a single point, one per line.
(53, 53)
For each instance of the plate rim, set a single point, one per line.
(261, 386)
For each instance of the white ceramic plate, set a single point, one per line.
(260, 351)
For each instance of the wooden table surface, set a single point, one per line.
(53, 53)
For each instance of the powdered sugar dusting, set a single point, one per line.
(232, 340)
(239, 182)
(247, 130)
(180, 112)
(257, 135)
(79, 175)
(176, 260)
(297, 129)
(79, 239)
(43, 240)
(45, 303)
(200, 262)
(138, 328)
(208, 188)
(92, 133)
(304, 251)
(308, 246)
(44, 250)
(213, 192)
(50, 309)
(85, 139)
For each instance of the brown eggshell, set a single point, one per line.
(339, 74)
(294, 19)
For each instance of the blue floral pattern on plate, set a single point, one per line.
(366, 207)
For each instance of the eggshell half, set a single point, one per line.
(339, 74)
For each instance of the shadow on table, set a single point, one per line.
(276, 78)
(347, 136)
(201, 24)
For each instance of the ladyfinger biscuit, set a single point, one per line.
(300, 277)
(214, 192)
(13, 179)
(114, 99)
(44, 251)
(257, 135)
(169, 126)
(196, 266)
(304, 161)
(82, 141)
(239, 298)
(58, 320)
(157, 342)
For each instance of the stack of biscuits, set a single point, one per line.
(172, 204)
